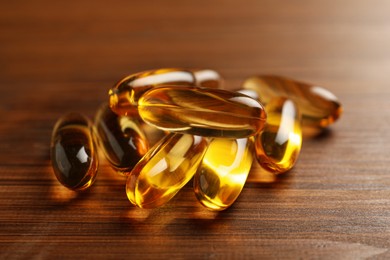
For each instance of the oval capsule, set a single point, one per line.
(121, 138)
(125, 94)
(279, 144)
(223, 172)
(73, 153)
(318, 106)
(164, 170)
(207, 78)
(200, 111)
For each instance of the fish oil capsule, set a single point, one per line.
(127, 91)
(73, 153)
(278, 145)
(223, 172)
(206, 78)
(121, 138)
(318, 106)
(153, 134)
(201, 111)
(164, 170)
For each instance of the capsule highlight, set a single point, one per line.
(207, 78)
(73, 153)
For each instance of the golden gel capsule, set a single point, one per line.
(201, 111)
(127, 91)
(121, 138)
(223, 172)
(206, 78)
(318, 106)
(279, 144)
(73, 153)
(164, 170)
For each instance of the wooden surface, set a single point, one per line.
(59, 56)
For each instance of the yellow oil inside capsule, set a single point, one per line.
(73, 153)
(207, 78)
(279, 144)
(318, 106)
(223, 172)
(125, 94)
(201, 111)
(164, 170)
(121, 138)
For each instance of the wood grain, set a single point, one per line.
(63, 56)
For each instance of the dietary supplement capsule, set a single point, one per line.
(207, 78)
(279, 144)
(121, 138)
(164, 170)
(127, 91)
(318, 106)
(223, 172)
(73, 153)
(201, 111)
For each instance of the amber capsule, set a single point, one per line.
(279, 144)
(153, 134)
(201, 111)
(164, 170)
(121, 138)
(207, 78)
(125, 94)
(223, 172)
(318, 106)
(73, 153)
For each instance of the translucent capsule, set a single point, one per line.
(121, 138)
(153, 134)
(206, 78)
(223, 172)
(279, 144)
(125, 94)
(164, 170)
(73, 153)
(205, 112)
(318, 106)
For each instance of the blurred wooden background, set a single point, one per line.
(60, 56)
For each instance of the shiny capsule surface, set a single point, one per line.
(318, 106)
(164, 170)
(125, 94)
(121, 138)
(279, 144)
(201, 111)
(207, 78)
(223, 172)
(73, 153)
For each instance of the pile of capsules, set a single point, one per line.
(164, 127)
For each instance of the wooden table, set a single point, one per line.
(57, 57)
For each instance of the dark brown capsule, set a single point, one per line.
(121, 138)
(73, 154)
